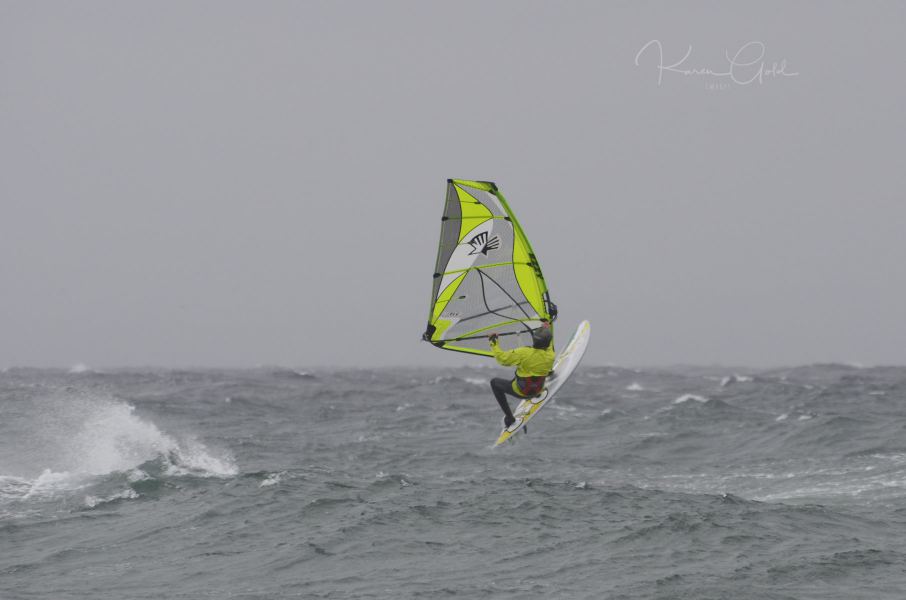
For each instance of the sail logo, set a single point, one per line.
(481, 243)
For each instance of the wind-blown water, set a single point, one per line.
(272, 483)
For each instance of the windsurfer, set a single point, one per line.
(533, 364)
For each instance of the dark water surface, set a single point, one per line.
(272, 483)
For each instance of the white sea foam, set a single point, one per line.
(783, 417)
(731, 379)
(136, 475)
(852, 484)
(112, 438)
(127, 494)
(687, 397)
(80, 368)
(192, 457)
(634, 387)
(273, 479)
(50, 482)
(855, 479)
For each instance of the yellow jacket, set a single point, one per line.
(529, 362)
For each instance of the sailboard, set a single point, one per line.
(487, 280)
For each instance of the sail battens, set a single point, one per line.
(472, 217)
(491, 266)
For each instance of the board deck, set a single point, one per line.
(564, 365)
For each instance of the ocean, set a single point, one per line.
(268, 483)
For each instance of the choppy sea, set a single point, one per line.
(271, 483)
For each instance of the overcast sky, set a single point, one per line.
(246, 183)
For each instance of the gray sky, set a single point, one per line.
(238, 183)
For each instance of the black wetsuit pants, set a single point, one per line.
(501, 387)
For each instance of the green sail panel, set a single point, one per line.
(487, 278)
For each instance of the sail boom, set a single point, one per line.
(471, 335)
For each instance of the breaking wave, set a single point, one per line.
(79, 439)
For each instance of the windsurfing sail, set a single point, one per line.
(487, 278)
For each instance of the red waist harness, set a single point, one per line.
(530, 386)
